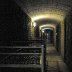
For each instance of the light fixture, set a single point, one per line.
(42, 31)
(47, 26)
(34, 24)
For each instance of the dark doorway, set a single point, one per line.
(58, 37)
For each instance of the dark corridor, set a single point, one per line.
(35, 36)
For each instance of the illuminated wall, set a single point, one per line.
(59, 18)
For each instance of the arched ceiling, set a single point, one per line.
(45, 8)
(47, 26)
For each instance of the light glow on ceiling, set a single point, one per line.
(48, 16)
(47, 26)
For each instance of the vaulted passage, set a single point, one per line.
(35, 35)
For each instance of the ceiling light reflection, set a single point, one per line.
(48, 16)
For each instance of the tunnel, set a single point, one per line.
(35, 35)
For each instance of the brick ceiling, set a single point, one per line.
(38, 7)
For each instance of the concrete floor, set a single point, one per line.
(54, 60)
